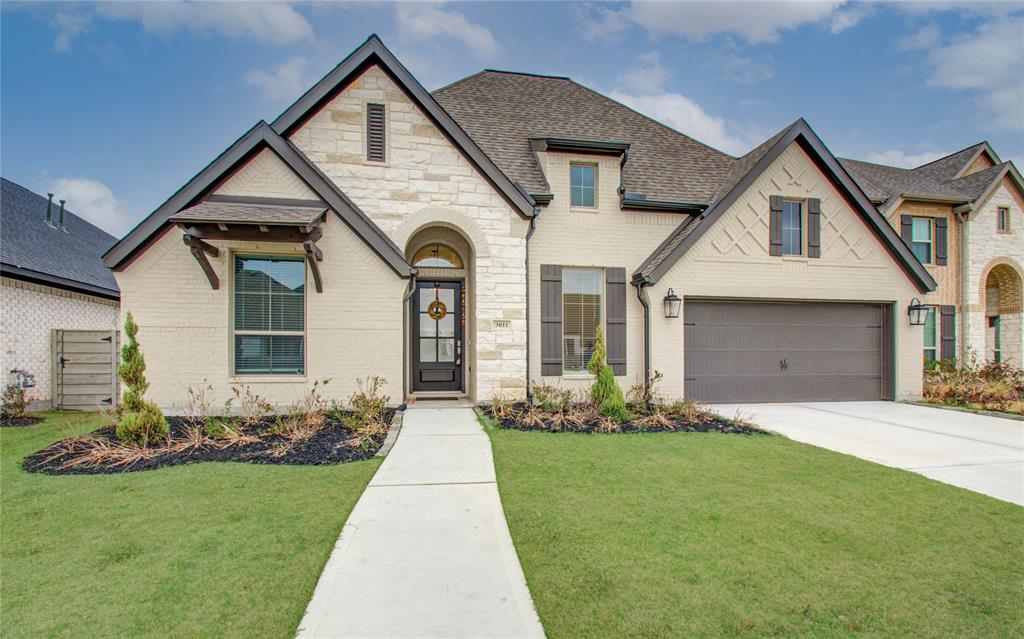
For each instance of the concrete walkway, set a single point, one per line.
(426, 551)
(977, 452)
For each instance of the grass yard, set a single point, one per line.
(686, 535)
(210, 549)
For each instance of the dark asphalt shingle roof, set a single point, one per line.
(977, 184)
(945, 169)
(501, 111)
(27, 242)
(881, 182)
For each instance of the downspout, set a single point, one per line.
(407, 335)
(529, 234)
(962, 217)
(642, 296)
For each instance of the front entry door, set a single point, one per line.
(437, 336)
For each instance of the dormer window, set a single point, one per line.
(582, 181)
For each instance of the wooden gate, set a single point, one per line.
(84, 369)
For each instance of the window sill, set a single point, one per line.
(267, 379)
(578, 376)
(795, 258)
(583, 209)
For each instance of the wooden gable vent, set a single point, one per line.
(375, 132)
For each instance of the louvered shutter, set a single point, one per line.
(941, 242)
(375, 132)
(907, 228)
(775, 225)
(551, 319)
(813, 227)
(615, 318)
(947, 328)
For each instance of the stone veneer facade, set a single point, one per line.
(29, 313)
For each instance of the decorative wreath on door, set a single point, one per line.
(437, 310)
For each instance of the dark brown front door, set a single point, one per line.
(437, 329)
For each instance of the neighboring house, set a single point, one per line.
(465, 241)
(53, 277)
(963, 217)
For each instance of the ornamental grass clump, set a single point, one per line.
(605, 393)
(140, 422)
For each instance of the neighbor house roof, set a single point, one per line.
(31, 249)
(502, 111)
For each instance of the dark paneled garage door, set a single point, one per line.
(785, 352)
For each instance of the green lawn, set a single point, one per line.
(688, 535)
(205, 550)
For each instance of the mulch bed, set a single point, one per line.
(326, 447)
(24, 420)
(714, 424)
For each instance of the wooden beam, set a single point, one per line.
(251, 233)
(199, 250)
(314, 255)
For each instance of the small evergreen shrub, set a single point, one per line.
(140, 427)
(140, 421)
(605, 394)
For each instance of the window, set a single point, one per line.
(270, 309)
(581, 315)
(997, 341)
(1003, 220)
(931, 336)
(437, 256)
(581, 184)
(375, 133)
(921, 239)
(792, 228)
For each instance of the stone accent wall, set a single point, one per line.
(426, 180)
(29, 312)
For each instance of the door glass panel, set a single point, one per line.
(428, 351)
(426, 297)
(446, 350)
(448, 297)
(445, 326)
(428, 327)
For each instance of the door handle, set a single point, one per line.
(784, 364)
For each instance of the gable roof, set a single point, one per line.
(33, 250)
(256, 139)
(750, 167)
(978, 185)
(953, 165)
(373, 52)
(886, 181)
(502, 111)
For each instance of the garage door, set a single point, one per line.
(738, 351)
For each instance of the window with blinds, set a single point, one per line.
(375, 132)
(581, 315)
(270, 315)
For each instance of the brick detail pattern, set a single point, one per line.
(267, 176)
(29, 312)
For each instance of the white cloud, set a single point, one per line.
(68, 25)
(989, 62)
(599, 23)
(92, 200)
(850, 17)
(753, 21)
(285, 82)
(424, 22)
(270, 22)
(895, 157)
(924, 38)
(743, 70)
(648, 76)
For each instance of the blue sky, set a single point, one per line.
(113, 106)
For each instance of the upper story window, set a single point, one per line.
(582, 182)
(270, 313)
(792, 228)
(375, 148)
(921, 239)
(437, 256)
(581, 315)
(1003, 219)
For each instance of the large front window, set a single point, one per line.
(270, 311)
(581, 315)
(792, 228)
(931, 336)
(582, 180)
(921, 239)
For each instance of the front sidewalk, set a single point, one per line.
(426, 550)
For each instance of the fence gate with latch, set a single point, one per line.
(84, 369)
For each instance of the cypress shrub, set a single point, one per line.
(139, 421)
(605, 392)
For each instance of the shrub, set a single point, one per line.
(992, 385)
(253, 407)
(140, 421)
(16, 401)
(142, 426)
(306, 419)
(605, 393)
(646, 394)
(551, 398)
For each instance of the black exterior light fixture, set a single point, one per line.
(672, 302)
(918, 312)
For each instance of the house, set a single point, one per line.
(53, 278)
(462, 242)
(961, 216)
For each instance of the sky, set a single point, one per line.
(114, 105)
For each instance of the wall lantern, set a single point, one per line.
(672, 302)
(918, 312)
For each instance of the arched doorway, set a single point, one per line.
(440, 312)
(1002, 302)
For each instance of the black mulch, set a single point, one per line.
(326, 447)
(716, 425)
(24, 420)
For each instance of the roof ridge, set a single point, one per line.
(884, 166)
(459, 81)
(528, 73)
(949, 155)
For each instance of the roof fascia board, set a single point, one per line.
(266, 201)
(937, 199)
(573, 145)
(800, 131)
(37, 277)
(643, 204)
(983, 148)
(1008, 170)
(373, 51)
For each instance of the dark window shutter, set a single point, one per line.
(615, 318)
(907, 228)
(775, 225)
(813, 227)
(550, 319)
(941, 254)
(375, 132)
(947, 328)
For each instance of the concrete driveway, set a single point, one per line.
(976, 452)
